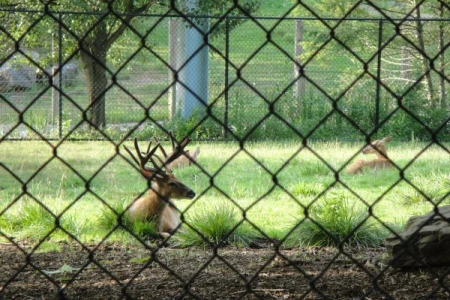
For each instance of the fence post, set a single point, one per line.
(60, 104)
(299, 85)
(194, 73)
(172, 93)
(55, 95)
(378, 88)
(227, 57)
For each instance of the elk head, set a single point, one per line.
(377, 147)
(167, 184)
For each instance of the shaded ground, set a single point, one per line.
(121, 272)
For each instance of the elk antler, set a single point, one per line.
(177, 150)
(144, 158)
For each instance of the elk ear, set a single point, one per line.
(386, 139)
(146, 174)
(149, 175)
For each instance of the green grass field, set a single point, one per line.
(229, 177)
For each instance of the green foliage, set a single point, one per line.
(218, 7)
(197, 126)
(81, 24)
(97, 30)
(337, 220)
(248, 113)
(326, 8)
(216, 225)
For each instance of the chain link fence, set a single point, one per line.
(64, 77)
(141, 78)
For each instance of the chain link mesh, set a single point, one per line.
(331, 79)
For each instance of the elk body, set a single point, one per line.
(381, 161)
(157, 204)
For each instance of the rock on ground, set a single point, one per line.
(425, 241)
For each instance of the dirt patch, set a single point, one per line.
(131, 272)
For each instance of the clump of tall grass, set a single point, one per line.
(215, 225)
(337, 220)
(31, 220)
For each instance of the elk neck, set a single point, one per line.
(381, 154)
(160, 195)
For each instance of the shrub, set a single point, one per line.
(207, 129)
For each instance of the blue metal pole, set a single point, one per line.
(195, 72)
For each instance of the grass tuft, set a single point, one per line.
(341, 221)
(31, 220)
(216, 226)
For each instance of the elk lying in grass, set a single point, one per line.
(157, 204)
(381, 161)
(185, 159)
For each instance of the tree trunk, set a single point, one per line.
(173, 63)
(93, 56)
(425, 63)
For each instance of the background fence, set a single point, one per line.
(364, 70)
(302, 78)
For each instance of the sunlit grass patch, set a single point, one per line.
(28, 219)
(49, 247)
(303, 189)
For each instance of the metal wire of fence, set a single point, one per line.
(271, 80)
(142, 76)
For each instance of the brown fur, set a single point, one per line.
(157, 204)
(381, 161)
(185, 160)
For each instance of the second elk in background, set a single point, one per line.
(381, 161)
(186, 159)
